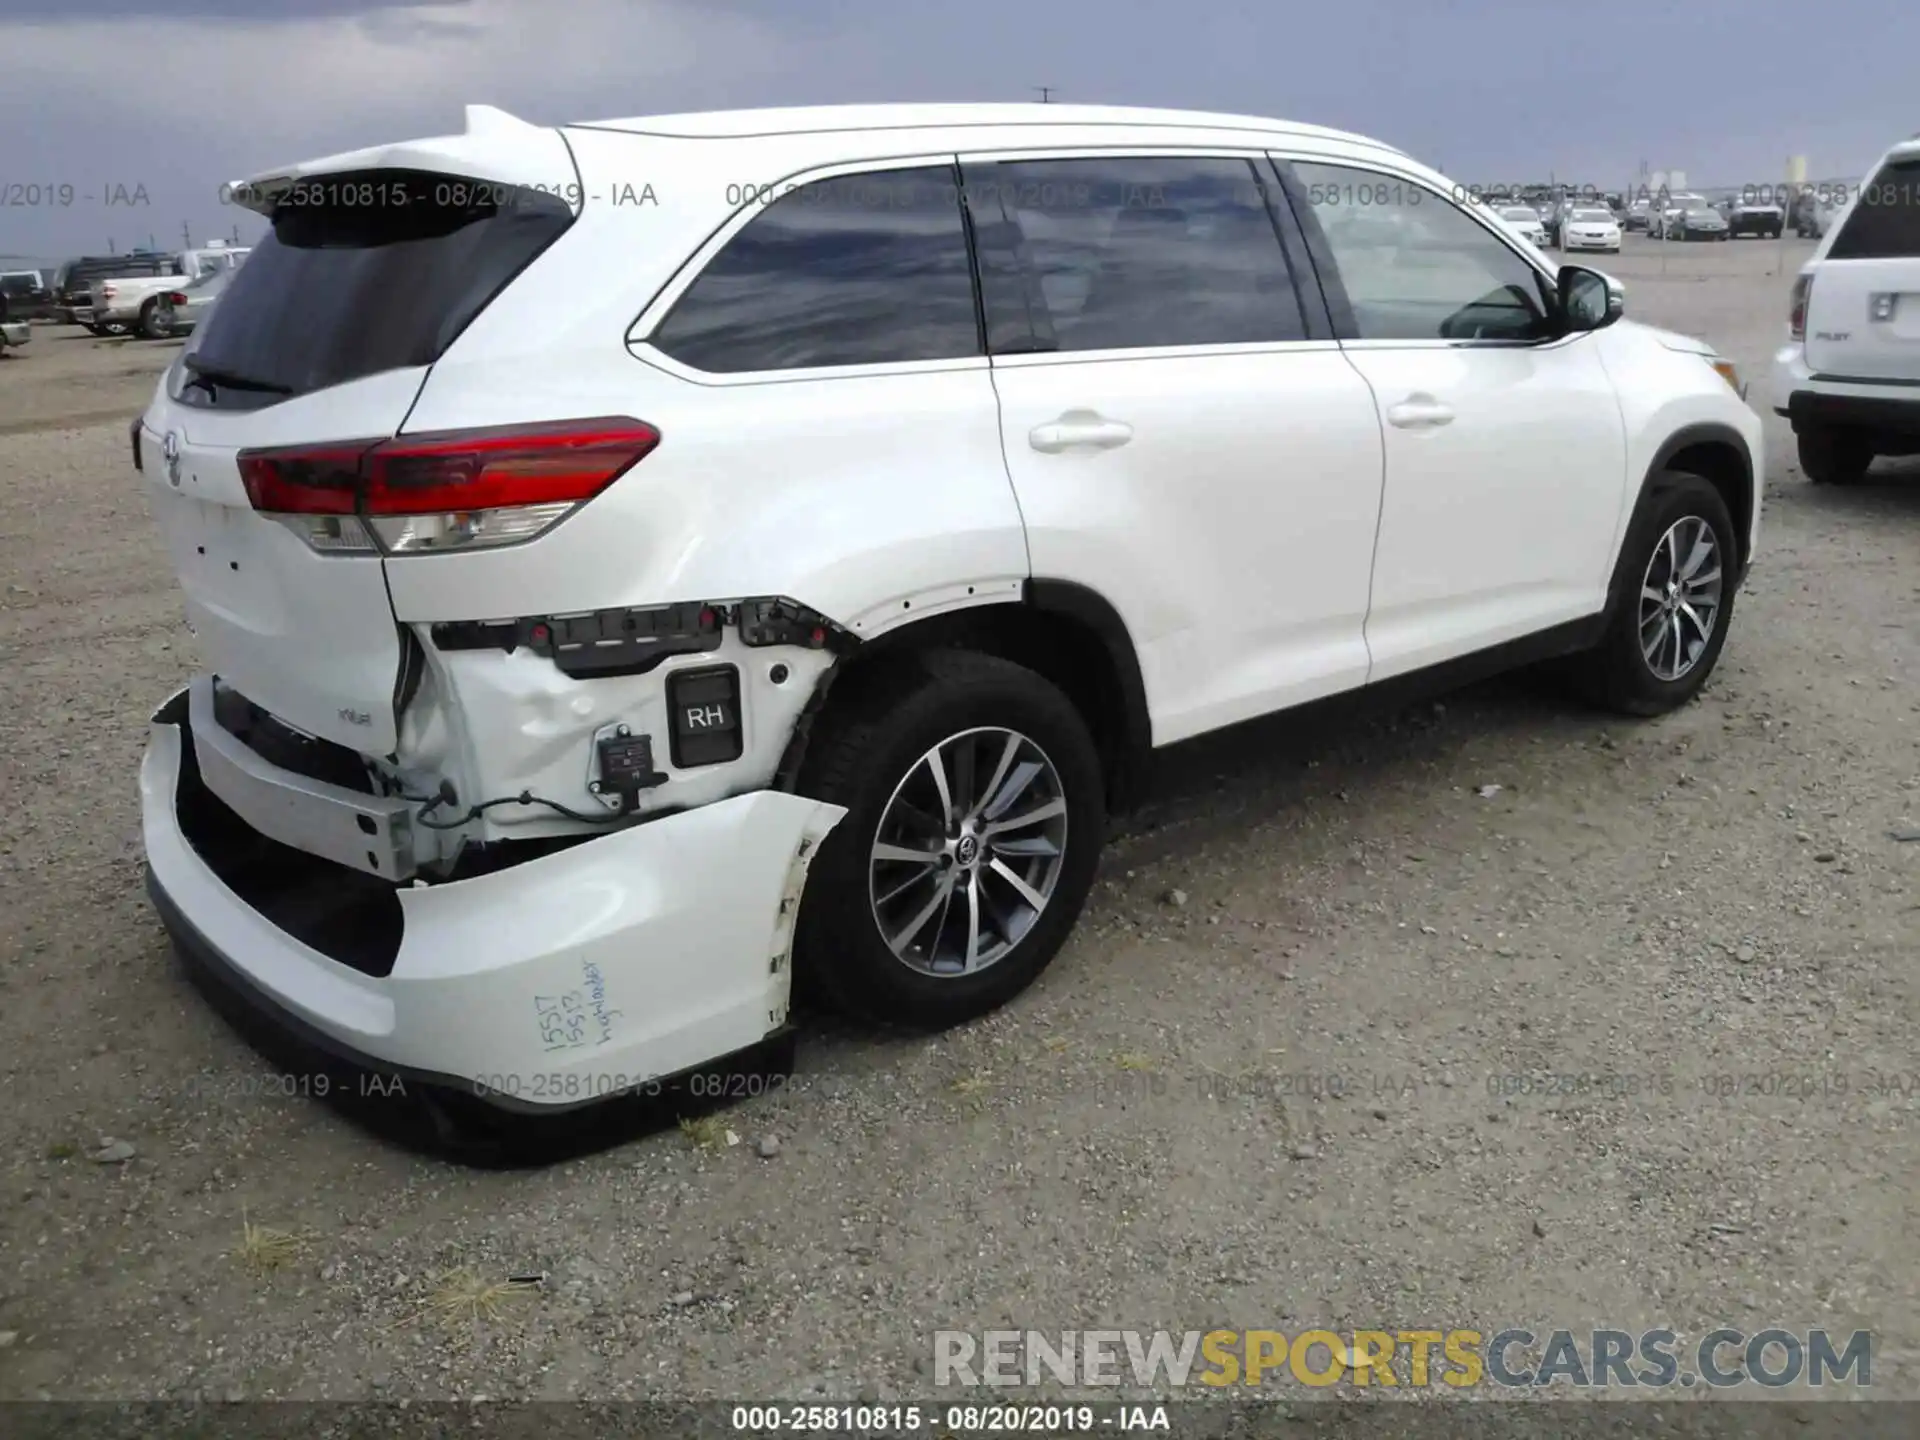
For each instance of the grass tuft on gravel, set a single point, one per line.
(464, 1297)
(263, 1248)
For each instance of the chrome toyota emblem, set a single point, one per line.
(170, 449)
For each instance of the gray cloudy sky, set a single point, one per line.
(172, 97)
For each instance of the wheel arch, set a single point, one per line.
(1067, 632)
(1717, 453)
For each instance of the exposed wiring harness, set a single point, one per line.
(429, 803)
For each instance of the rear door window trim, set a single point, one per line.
(1321, 333)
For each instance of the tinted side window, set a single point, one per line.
(856, 270)
(1417, 267)
(1885, 222)
(1123, 253)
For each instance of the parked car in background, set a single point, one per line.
(1814, 210)
(1695, 220)
(28, 297)
(1638, 217)
(73, 287)
(133, 302)
(1668, 209)
(1590, 228)
(1526, 220)
(13, 332)
(1848, 377)
(1753, 216)
(583, 734)
(177, 312)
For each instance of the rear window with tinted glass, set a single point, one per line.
(373, 271)
(1886, 216)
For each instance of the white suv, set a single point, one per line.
(1849, 375)
(639, 562)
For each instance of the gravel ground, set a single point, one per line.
(1148, 1139)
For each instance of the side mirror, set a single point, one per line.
(1589, 300)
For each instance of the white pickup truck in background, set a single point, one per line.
(138, 302)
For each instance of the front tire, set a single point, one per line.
(1674, 584)
(1833, 457)
(975, 817)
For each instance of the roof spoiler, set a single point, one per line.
(261, 192)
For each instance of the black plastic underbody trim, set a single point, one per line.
(1894, 416)
(1901, 382)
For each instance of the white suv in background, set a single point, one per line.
(584, 662)
(1849, 375)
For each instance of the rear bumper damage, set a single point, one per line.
(587, 972)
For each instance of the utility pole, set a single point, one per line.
(1046, 94)
(186, 236)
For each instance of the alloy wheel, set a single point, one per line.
(1680, 598)
(968, 851)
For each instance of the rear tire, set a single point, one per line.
(983, 717)
(153, 325)
(1654, 656)
(1833, 457)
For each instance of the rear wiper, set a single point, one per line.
(210, 376)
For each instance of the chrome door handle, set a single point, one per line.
(1420, 412)
(1079, 430)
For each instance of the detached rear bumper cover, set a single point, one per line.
(551, 984)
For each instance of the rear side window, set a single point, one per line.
(855, 270)
(1130, 252)
(1885, 222)
(373, 271)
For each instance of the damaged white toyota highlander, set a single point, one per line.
(642, 564)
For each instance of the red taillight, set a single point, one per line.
(1797, 315)
(176, 298)
(452, 489)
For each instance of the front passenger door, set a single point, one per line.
(1506, 451)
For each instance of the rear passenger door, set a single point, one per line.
(1183, 433)
(834, 374)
